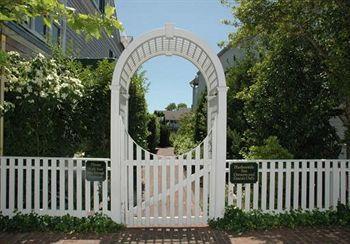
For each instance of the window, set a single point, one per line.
(100, 5)
(40, 27)
(27, 22)
(111, 54)
(96, 2)
(56, 34)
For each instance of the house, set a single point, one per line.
(228, 57)
(172, 118)
(32, 37)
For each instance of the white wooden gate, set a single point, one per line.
(167, 190)
(184, 190)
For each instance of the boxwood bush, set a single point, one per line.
(97, 223)
(239, 221)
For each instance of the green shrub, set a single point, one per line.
(237, 220)
(153, 137)
(42, 96)
(270, 150)
(164, 140)
(97, 223)
(182, 144)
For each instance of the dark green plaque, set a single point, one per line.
(243, 172)
(95, 171)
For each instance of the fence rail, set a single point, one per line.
(54, 186)
(284, 185)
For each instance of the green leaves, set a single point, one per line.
(109, 11)
(270, 150)
(97, 223)
(138, 115)
(153, 137)
(63, 108)
(3, 57)
(45, 94)
(239, 221)
(297, 79)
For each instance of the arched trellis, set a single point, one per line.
(168, 41)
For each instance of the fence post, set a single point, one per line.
(220, 164)
(115, 155)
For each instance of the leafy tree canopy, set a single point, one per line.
(181, 106)
(171, 107)
(292, 88)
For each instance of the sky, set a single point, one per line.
(169, 77)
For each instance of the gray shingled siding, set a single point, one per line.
(93, 48)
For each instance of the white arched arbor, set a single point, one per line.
(169, 41)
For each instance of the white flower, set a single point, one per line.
(40, 56)
(29, 88)
(19, 89)
(43, 94)
(13, 78)
(39, 73)
(64, 95)
(38, 81)
(27, 68)
(50, 77)
(31, 101)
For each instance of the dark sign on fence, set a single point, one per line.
(95, 171)
(243, 172)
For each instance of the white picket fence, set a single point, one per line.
(54, 186)
(57, 186)
(284, 185)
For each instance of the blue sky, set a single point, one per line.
(169, 77)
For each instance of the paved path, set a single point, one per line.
(166, 151)
(188, 235)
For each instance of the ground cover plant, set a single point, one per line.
(238, 221)
(97, 223)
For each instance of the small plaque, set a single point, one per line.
(95, 171)
(243, 172)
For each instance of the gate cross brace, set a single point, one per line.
(162, 196)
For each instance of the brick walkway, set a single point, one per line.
(188, 235)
